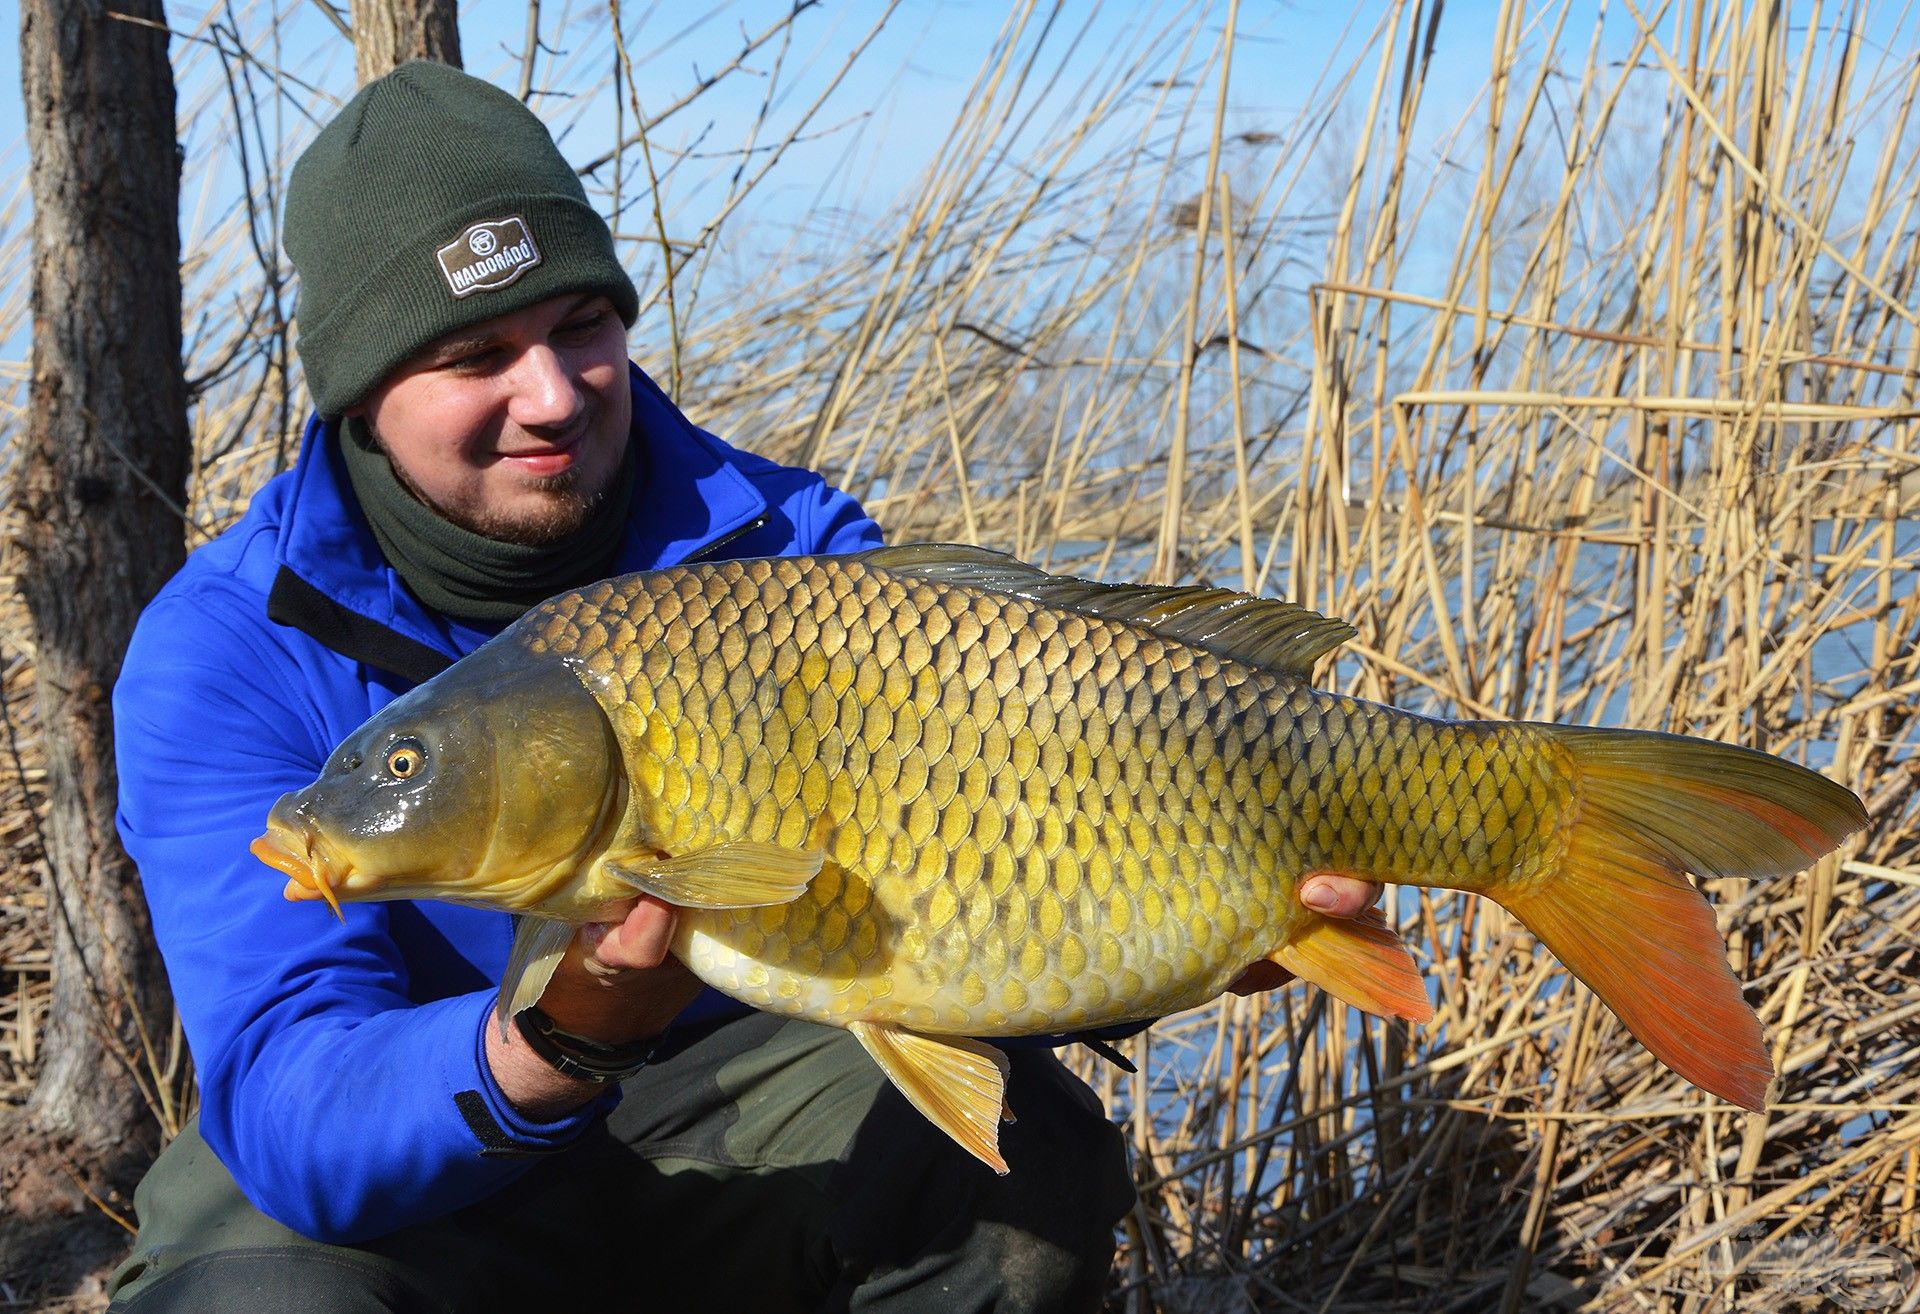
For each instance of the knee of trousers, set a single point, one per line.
(203, 1248)
(1064, 1155)
(1050, 1217)
(903, 1213)
(287, 1280)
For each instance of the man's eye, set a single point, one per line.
(473, 362)
(583, 329)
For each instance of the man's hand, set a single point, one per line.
(1327, 894)
(617, 983)
(619, 980)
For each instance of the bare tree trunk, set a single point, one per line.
(99, 482)
(387, 33)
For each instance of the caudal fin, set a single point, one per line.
(1621, 914)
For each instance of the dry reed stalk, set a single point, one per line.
(1600, 408)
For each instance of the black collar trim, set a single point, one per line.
(296, 603)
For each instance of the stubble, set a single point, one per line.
(564, 508)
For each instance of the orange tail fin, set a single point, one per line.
(1621, 914)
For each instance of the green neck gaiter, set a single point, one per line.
(466, 575)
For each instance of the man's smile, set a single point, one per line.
(542, 462)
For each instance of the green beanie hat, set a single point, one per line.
(432, 201)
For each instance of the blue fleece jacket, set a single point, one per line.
(342, 1076)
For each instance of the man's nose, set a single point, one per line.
(545, 394)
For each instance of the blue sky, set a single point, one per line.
(889, 114)
(870, 139)
(880, 128)
(876, 132)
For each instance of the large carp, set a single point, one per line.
(931, 794)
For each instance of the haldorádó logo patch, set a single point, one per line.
(489, 255)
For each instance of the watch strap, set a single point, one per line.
(576, 1056)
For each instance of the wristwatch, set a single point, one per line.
(576, 1056)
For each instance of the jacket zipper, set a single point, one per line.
(725, 539)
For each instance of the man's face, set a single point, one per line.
(515, 427)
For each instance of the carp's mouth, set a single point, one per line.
(312, 871)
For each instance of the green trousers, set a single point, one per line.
(766, 1166)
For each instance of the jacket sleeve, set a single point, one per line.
(343, 1108)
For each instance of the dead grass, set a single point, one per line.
(1586, 395)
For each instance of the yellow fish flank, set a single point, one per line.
(931, 794)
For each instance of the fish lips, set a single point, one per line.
(294, 848)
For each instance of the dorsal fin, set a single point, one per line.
(1278, 636)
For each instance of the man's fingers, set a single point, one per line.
(1338, 895)
(642, 940)
(620, 980)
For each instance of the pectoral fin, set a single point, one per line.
(1360, 961)
(959, 1084)
(743, 874)
(538, 945)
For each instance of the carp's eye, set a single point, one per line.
(405, 758)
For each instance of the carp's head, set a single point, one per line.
(488, 785)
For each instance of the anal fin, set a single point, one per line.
(1359, 961)
(958, 1083)
(539, 943)
(742, 874)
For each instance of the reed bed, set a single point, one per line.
(1568, 351)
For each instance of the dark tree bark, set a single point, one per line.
(387, 33)
(99, 481)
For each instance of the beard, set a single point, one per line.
(564, 511)
(566, 506)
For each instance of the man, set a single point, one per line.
(366, 1139)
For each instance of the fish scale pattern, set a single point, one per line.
(1033, 819)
